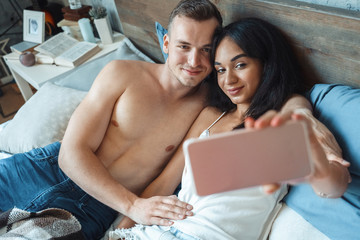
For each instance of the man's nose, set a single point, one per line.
(194, 58)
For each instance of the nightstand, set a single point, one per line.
(38, 74)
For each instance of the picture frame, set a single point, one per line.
(34, 26)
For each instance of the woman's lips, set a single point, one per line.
(235, 91)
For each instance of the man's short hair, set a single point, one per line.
(199, 10)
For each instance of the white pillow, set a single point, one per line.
(41, 120)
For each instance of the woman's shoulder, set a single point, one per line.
(208, 115)
(210, 111)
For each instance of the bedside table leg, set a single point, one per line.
(24, 87)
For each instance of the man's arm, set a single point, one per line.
(85, 132)
(164, 185)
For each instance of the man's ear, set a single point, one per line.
(166, 43)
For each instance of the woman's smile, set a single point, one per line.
(235, 91)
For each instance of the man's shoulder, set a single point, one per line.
(131, 64)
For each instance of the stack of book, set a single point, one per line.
(24, 46)
(76, 14)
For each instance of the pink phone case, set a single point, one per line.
(245, 158)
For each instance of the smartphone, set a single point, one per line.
(245, 158)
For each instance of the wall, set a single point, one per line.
(345, 4)
(9, 17)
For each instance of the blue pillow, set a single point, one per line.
(160, 32)
(338, 107)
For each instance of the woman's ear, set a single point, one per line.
(166, 43)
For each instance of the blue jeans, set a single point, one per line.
(33, 181)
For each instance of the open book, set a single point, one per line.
(65, 50)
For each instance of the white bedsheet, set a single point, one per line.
(4, 154)
(290, 225)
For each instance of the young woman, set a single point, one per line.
(256, 71)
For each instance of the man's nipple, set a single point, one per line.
(169, 148)
(115, 123)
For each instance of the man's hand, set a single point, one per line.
(159, 210)
(126, 222)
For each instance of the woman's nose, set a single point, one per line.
(231, 77)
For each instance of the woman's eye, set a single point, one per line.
(220, 70)
(240, 65)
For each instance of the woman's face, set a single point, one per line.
(238, 75)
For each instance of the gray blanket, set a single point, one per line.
(47, 224)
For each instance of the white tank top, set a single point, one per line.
(240, 214)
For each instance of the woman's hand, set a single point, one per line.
(330, 176)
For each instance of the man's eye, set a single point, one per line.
(183, 47)
(207, 50)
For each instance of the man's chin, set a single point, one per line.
(190, 82)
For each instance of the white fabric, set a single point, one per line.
(141, 232)
(41, 120)
(290, 225)
(4, 154)
(241, 214)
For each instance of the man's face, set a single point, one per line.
(189, 49)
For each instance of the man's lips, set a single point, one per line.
(192, 72)
(234, 91)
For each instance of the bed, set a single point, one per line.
(327, 41)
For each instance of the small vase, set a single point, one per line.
(104, 29)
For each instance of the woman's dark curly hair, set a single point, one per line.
(281, 75)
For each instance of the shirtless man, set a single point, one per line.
(123, 134)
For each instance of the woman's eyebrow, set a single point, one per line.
(233, 59)
(238, 56)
